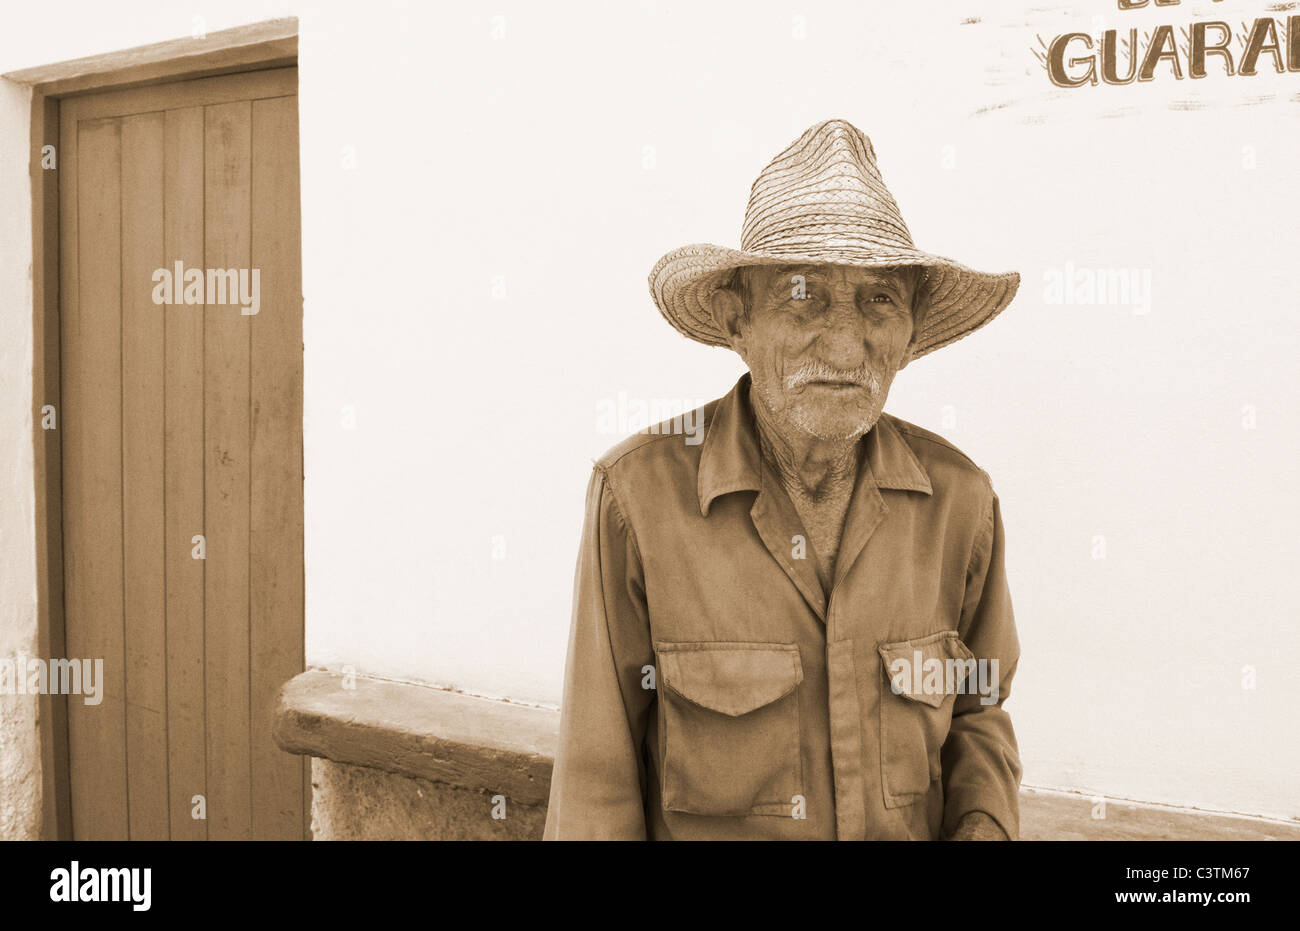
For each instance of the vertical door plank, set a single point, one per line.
(275, 574)
(53, 709)
(226, 422)
(92, 466)
(72, 488)
(142, 476)
(183, 232)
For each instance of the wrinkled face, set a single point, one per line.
(822, 342)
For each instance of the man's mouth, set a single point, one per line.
(832, 379)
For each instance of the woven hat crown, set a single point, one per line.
(824, 193)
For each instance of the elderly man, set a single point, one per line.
(800, 628)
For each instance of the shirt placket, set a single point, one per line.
(848, 733)
(776, 521)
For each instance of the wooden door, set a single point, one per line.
(182, 454)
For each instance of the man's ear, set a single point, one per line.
(921, 306)
(920, 311)
(728, 313)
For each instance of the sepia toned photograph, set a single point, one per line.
(717, 421)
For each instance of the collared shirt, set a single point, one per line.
(713, 690)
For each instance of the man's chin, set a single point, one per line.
(836, 428)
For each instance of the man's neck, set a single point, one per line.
(810, 467)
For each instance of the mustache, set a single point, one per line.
(864, 376)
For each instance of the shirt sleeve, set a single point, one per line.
(981, 762)
(598, 783)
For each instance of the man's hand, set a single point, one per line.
(976, 825)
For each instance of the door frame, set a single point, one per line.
(257, 47)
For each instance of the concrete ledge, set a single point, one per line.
(423, 733)
(483, 749)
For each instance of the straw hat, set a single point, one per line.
(823, 201)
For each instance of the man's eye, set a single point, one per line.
(882, 299)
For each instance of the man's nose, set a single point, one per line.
(842, 340)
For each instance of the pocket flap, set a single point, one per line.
(927, 669)
(730, 678)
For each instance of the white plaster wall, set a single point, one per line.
(20, 786)
(482, 200)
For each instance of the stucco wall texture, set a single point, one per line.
(359, 803)
(20, 772)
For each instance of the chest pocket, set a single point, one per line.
(730, 727)
(920, 681)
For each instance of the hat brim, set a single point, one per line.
(961, 299)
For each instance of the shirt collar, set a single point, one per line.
(730, 459)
